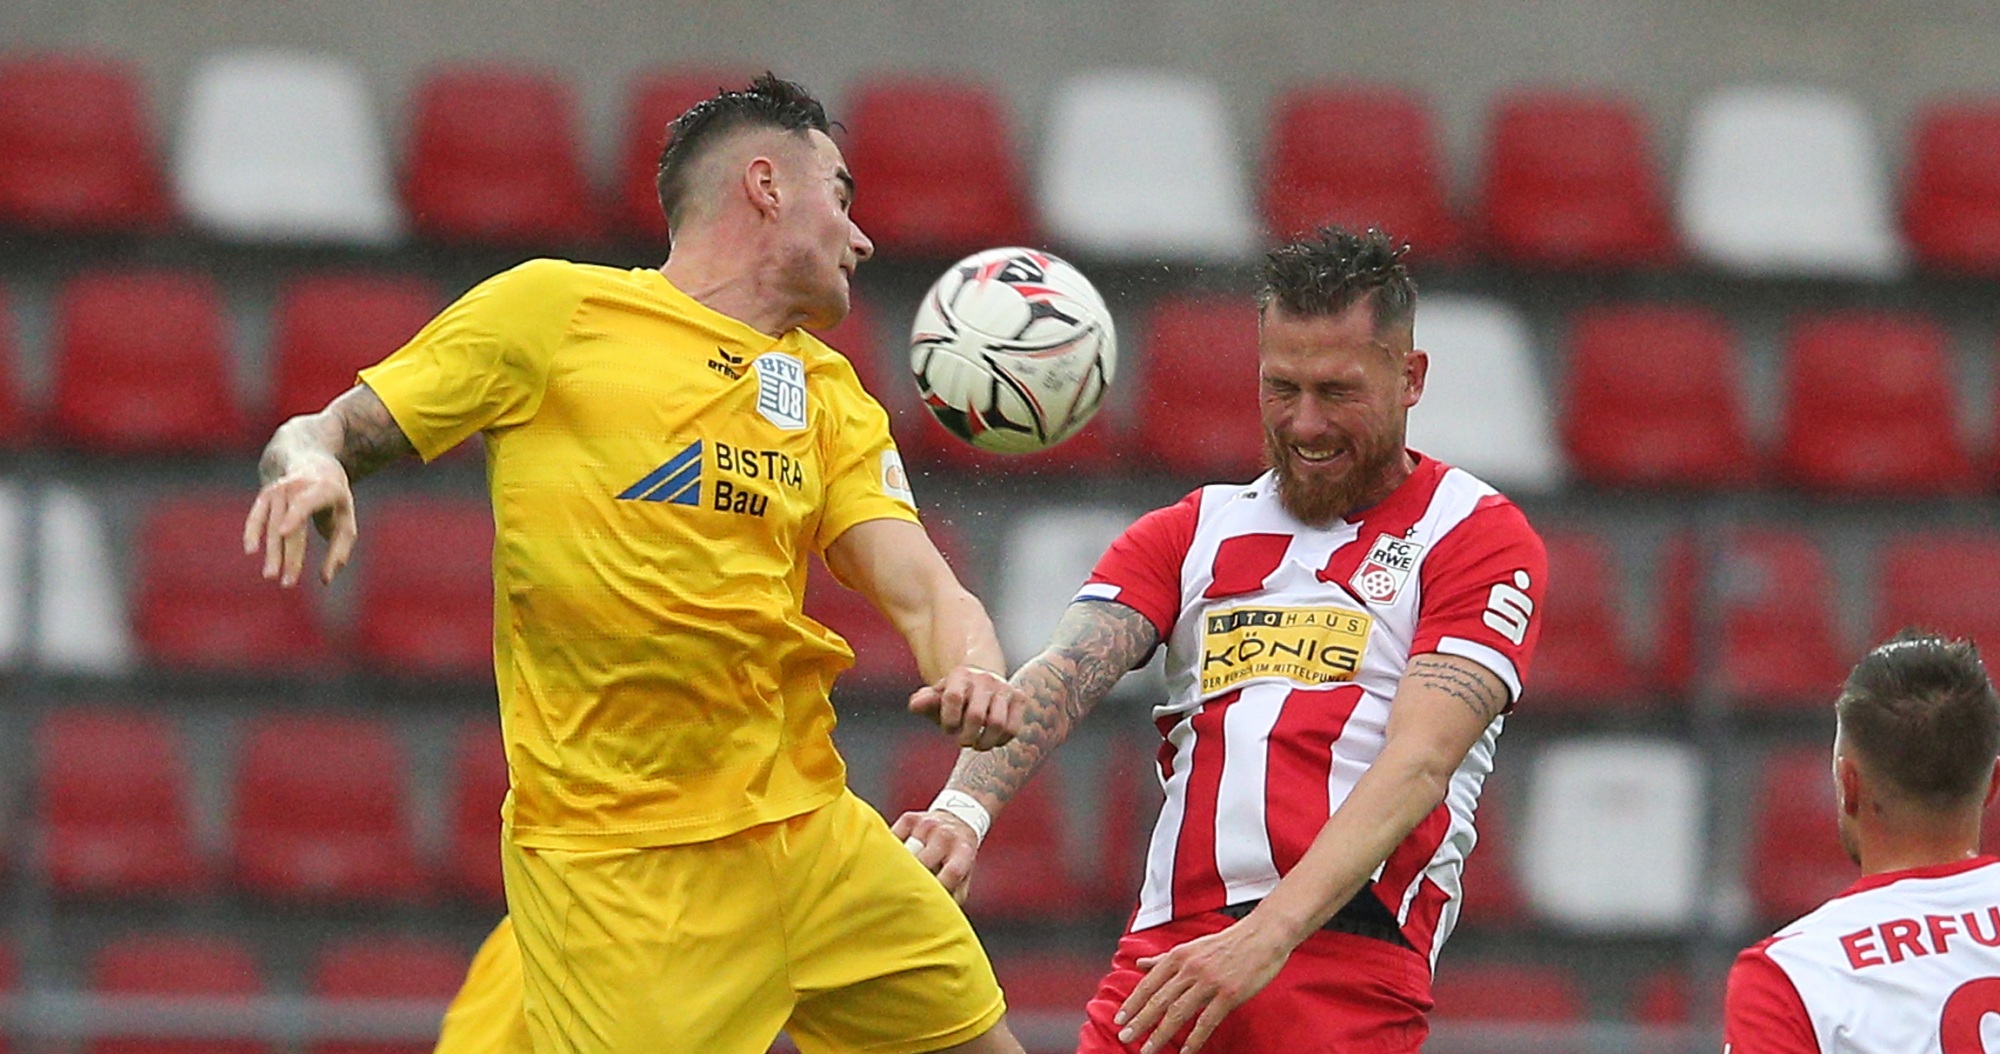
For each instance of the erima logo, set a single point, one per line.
(677, 482)
(730, 366)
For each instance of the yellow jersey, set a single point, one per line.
(659, 473)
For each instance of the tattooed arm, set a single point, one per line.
(306, 469)
(1096, 643)
(1442, 707)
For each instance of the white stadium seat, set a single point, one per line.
(1049, 552)
(282, 147)
(80, 620)
(1614, 834)
(1485, 408)
(1141, 165)
(1788, 181)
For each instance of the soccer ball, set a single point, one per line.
(1013, 350)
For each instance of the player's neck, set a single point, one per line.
(731, 283)
(1893, 846)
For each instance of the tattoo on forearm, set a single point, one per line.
(371, 438)
(1095, 644)
(1479, 694)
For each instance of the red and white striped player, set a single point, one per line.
(1907, 960)
(1343, 636)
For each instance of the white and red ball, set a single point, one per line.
(1013, 350)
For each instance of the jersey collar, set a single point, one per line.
(742, 332)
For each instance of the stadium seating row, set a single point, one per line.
(278, 147)
(141, 364)
(1596, 833)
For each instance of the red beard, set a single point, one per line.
(1318, 502)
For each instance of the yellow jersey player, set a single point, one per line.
(685, 867)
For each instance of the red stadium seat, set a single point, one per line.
(321, 810)
(478, 785)
(1583, 658)
(1951, 194)
(1492, 896)
(1050, 983)
(1129, 805)
(1571, 182)
(1780, 644)
(200, 604)
(76, 147)
(1678, 584)
(1361, 157)
(494, 158)
(1518, 993)
(16, 426)
(171, 965)
(1943, 581)
(385, 966)
(113, 788)
(882, 658)
(1653, 399)
(655, 101)
(1198, 388)
(935, 167)
(1870, 409)
(142, 365)
(329, 325)
(1795, 859)
(425, 588)
(1024, 868)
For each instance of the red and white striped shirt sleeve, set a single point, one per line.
(1762, 1012)
(1482, 588)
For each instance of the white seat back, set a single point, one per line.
(1614, 833)
(1485, 407)
(1788, 181)
(282, 147)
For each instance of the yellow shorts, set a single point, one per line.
(485, 1016)
(822, 925)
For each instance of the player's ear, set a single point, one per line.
(1847, 784)
(760, 186)
(1416, 368)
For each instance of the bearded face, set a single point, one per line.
(1335, 399)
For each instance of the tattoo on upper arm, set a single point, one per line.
(370, 437)
(1481, 693)
(1095, 644)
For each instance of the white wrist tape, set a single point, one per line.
(967, 808)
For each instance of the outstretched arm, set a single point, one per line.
(1096, 643)
(306, 469)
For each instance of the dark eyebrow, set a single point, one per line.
(846, 180)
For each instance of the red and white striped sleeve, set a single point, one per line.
(1762, 1012)
(1142, 567)
(1482, 587)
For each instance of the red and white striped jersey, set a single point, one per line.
(1905, 962)
(1285, 645)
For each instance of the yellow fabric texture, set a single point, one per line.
(485, 1017)
(659, 474)
(821, 924)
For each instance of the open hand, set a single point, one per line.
(316, 490)
(1200, 981)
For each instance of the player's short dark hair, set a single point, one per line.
(1921, 714)
(1325, 272)
(769, 102)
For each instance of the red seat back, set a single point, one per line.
(1198, 413)
(1951, 193)
(329, 325)
(1870, 407)
(935, 166)
(478, 786)
(113, 788)
(424, 588)
(1359, 156)
(494, 158)
(1653, 399)
(142, 365)
(1943, 581)
(1492, 896)
(385, 966)
(16, 426)
(1780, 646)
(1024, 868)
(655, 100)
(1796, 862)
(200, 604)
(1583, 657)
(1510, 993)
(321, 811)
(1050, 982)
(1570, 182)
(76, 147)
(187, 965)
